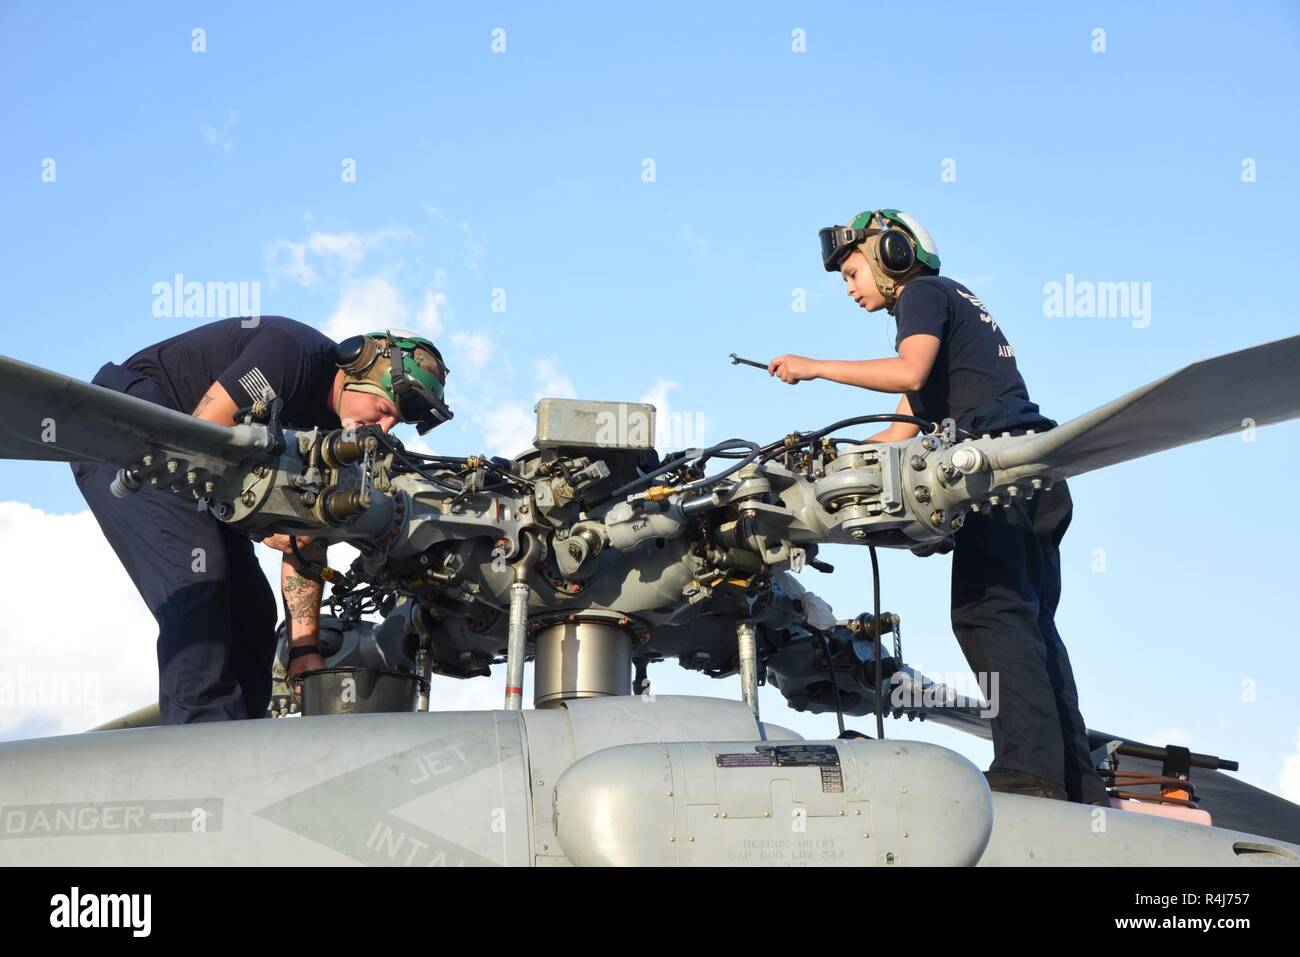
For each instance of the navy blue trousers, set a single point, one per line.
(216, 612)
(1006, 583)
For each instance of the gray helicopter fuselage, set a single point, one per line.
(671, 781)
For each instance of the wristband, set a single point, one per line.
(301, 651)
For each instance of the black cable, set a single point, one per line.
(708, 480)
(713, 451)
(399, 453)
(772, 448)
(835, 682)
(875, 589)
(425, 457)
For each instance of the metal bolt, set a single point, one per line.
(995, 500)
(209, 486)
(922, 494)
(936, 517)
(173, 466)
(859, 533)
(975, 507)
(192, 476)
(917, 463)
(248, 498)
(1012, 491)
(955, 523)
(1036, 484)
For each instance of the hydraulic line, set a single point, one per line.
(875, 590)
(835, 682)
(713, 451)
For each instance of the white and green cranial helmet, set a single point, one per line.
(906, 241)
(895, 245)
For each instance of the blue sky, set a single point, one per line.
(525, 171)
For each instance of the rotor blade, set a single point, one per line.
(1256, 386)
(57, 418)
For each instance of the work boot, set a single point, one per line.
(1022, 782)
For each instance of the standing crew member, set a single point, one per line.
(954, 363)
(216, 613)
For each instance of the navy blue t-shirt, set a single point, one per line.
(975, 363)
(272, 357)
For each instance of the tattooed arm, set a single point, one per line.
(216, 406)
(302, 596)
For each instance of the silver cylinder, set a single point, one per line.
(748, 659)
(580, 659)
(516, 637)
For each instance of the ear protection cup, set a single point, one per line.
(896, 252)
(356, 354)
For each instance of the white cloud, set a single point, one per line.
(220, 136)
(365, 306)
(658, 394)
(474, 248)
(675, 430)
(333, 253)
(552, 383)
(508, 428)
(474, 348)
(350, 248)
(429, 319)
(77, 650)
(289, 260)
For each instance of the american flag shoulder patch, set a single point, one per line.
(254, 382)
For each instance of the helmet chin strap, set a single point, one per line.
(884, 282)
(888, 285)
(342, 379)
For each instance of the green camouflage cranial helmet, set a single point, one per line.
(405, 368)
